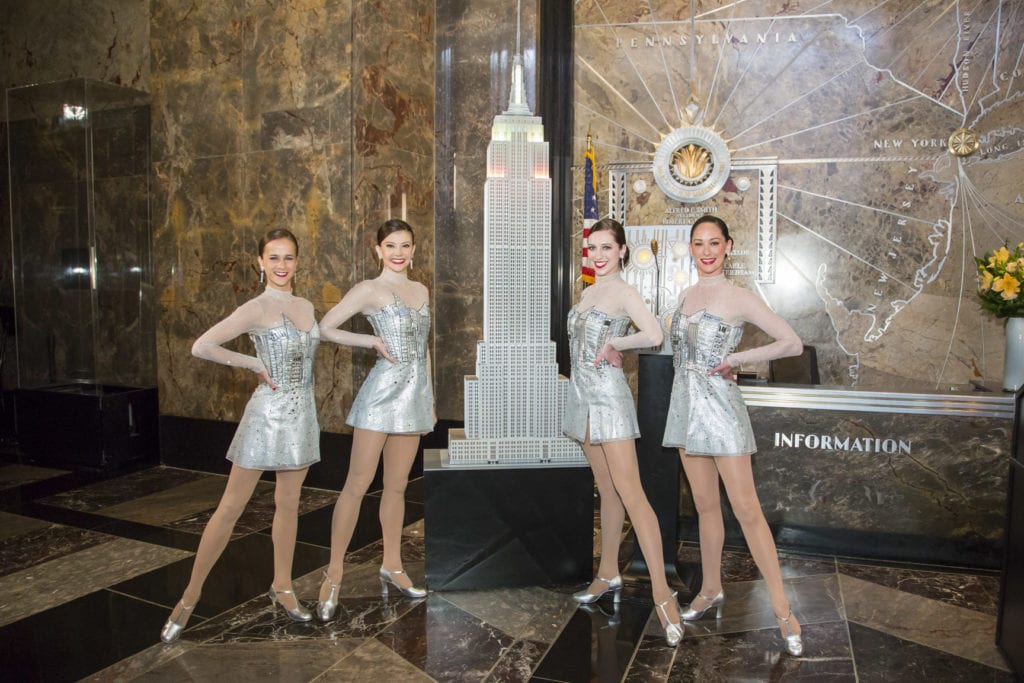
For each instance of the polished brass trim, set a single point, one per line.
(824, 398)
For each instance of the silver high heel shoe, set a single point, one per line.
(585, 597)
(692, 614)
(325, 608)
(173, 628)
(673, 632)
(794, 644)
(385, 579)
(300, 613)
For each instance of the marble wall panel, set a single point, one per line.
(475, 44)
(392, 138)
(197, 78)
(205, 265)
(313, 114)
(297, 72)
(309, 115)
(106, 40)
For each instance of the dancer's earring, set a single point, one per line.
(622, 263)
(410, 263)
(262, 276)
(380, 263)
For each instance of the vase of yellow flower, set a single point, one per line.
(1000, 278)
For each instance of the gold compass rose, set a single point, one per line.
(963, 142)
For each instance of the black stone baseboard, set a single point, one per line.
(872, 546)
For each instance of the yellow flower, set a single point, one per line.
(1012, 266)
(999, 257)
(1009, 287)
(986, 280)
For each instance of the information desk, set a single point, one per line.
(916, 477)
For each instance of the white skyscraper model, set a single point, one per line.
(514, 403)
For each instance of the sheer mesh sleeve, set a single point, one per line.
(624, 300)
(786, 341)
(648, 332)
(750, 308)
(245, 318)
(735, 304)
(359, 299)
(264, 312)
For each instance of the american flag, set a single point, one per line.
(589, 207)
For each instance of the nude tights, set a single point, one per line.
(241, 484)
(617, 476)
(399, 452)
(703, 473)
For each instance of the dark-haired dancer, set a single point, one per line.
(601, 415)
(708, 421)
(394, 407)
(278, 430)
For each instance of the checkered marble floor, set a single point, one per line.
(91, 566)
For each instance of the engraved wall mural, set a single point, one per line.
(852, 216)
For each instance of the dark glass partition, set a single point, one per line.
(78, 154)
(79, 162)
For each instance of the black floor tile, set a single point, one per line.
(59, 515)
(115, 527)
(78, 638)
(244, 570)
(315, 526)
(758, 656)
(597, 644)
(425, 637)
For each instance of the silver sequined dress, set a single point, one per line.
(397, 398)
(279, 429)
(706, 414)
(600, 395)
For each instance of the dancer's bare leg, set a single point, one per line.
(285, 528)
(738, 478)
(399, 455)
(702, 473)
(366, 449)
(620, 457)
(241, 484)
(613, 516)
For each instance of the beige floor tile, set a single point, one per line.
(921, 620)
(172, 504)
(53, 583)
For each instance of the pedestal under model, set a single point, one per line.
(490, 526)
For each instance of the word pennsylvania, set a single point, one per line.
(682, 39)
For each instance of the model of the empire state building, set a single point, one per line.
(514, 403)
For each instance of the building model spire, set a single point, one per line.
(515, 401)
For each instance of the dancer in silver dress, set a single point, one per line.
(394, 407)
(278, 430)
(708, 421)
(601, 415)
